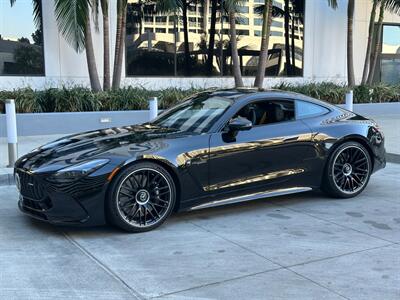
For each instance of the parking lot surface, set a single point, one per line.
(304, 246)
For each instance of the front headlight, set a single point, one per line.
(77, 171)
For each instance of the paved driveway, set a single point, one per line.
(294, 247)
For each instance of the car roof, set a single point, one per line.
(243, 94)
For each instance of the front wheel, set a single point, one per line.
(141, 197)
(348, 171)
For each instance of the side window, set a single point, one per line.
(268, 112)
(306, 110)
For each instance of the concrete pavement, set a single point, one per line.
(304, 246)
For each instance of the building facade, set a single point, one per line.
(307, 43)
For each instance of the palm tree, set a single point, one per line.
(262, 60)
(106, 45)
(350, 62)
(369, 42)
(287, 44)
(350, 17)
(297, 15)
(74, 24)
(182, 6)
(106, 38)
(211, 43)
(231, 7)
(394, 7)
(119, 43)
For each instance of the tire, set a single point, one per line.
(348, 171)
(141, 197)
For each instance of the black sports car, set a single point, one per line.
(216, 147)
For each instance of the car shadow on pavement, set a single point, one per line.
(186, 216)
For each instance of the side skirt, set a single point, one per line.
(253, 196)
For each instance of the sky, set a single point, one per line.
(16, 21)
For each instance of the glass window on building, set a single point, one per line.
(390, 57)
(163, 44)
(21, 38)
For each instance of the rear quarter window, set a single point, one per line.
(307, 110)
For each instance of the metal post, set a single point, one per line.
(349, 101)
(11, 123)
(153, 107)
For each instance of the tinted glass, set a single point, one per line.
(268, 112)
(390, 70)
(21, 38)
(391, 39)
(390, 59)
(178, 43)
(195, 115)
(306, 110)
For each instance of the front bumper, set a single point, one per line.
(63, 204)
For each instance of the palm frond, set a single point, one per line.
(393, 6)
(37, 12)
(333, 3)
(71, 16)
(277, 12)
(233, 5)
(169, 6)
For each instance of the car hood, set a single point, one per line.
(103, 143)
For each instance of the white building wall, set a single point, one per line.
(324, 52)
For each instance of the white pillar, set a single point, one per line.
(349, 101)
(153, 107)
(12, 137)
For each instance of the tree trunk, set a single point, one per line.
(119, 53)
(235, 56)
(262, 60)
(186, 38)
(378, 38)
(140, 18)
(90, 58)
(293, 48)
(350, 63)
(369, 43)
(106, 46)
(211, 43)
(117, 40)
(287, 44)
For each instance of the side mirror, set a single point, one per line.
(239, 124)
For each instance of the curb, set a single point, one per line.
(393, 158)
(7, 177)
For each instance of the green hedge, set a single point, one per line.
(82, 99)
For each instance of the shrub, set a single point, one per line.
(327, 91)
(136, 98)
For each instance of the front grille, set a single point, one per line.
(30, 187)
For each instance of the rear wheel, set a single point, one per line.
(141, 197)
(348, 171)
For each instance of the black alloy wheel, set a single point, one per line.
(142, 197)
(348, 171)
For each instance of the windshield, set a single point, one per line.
(195, 115)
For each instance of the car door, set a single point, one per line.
(266, 155)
